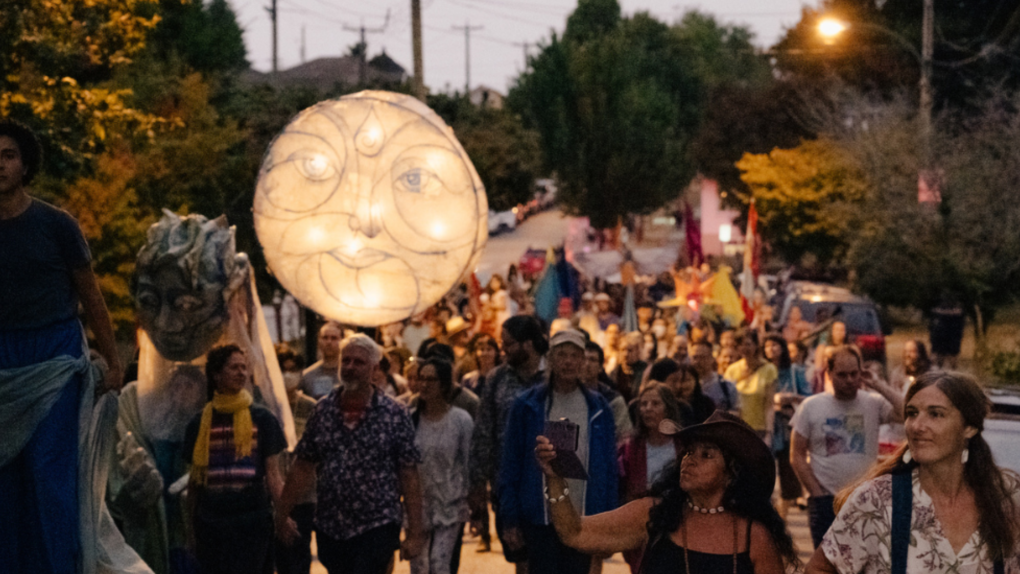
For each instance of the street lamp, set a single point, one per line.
(830, 28)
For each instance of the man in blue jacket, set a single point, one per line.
(522, 495)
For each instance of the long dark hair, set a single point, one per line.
(923, 360)
(992, 495)
(667, 515)
(784, 361)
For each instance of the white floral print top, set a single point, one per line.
(859, 540)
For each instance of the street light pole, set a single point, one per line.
(927, 51)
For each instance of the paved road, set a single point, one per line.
(546, 229)
(493, 562)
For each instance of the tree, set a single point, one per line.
(862, 179)
(505, 154)
(801, 195)
(975, 48)
(204, 36)
(55, 57)
(615, 104)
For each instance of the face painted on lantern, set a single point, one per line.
(368, 208)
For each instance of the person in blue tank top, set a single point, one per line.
(711, 512)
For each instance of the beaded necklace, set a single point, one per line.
(687, 561)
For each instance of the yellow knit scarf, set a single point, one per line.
(243, 431)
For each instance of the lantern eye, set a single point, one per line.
(414, 179)
(315, 167)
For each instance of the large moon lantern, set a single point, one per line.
(368, 208)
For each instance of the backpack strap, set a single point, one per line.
(902, 509)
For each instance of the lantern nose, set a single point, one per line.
(366, 218)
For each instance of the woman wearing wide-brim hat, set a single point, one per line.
(710, 512)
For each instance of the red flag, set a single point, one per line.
(752, 242)
(692, 234)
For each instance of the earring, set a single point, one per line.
(906, 457)
(966, 455)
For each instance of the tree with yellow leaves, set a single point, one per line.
(801, 195)
(56, 57)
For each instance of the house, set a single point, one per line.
(486, 97)
(325, 74)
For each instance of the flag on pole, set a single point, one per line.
(749, 276)
(692, 237)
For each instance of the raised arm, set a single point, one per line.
(891, 394)
(617, 530)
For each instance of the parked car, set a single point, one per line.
(500, 221)
(1002, 428)
(819, 301)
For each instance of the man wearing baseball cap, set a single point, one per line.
(522, 497)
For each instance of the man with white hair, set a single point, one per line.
(362, 444)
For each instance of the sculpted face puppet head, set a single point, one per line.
(185, 274)
(368, 208)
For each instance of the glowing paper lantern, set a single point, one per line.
(368, 208)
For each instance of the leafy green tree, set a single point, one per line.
(505, 154)
(975, 48)
(203, 35)
(615, 104)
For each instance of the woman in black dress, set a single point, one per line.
(709, 513)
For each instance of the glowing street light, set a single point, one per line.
(829, 28)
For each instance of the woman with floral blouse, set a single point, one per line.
(962, 508)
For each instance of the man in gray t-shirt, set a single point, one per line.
(322, 377)
(839, 430)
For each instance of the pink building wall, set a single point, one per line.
(713, 216)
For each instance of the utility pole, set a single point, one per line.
(927, 51)
(362, 69)
(467, 27)
(419, 67)
(525, 45)
(302, 43)
(272, 16)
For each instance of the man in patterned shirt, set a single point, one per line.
(361, 444)
(524, 344)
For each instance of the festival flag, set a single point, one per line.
(692, 237)
(547, 293)
(719, 290)
(752, 243)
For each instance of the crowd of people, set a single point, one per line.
(660, 436)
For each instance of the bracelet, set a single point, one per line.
(559, 498)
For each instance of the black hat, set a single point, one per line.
(737, 439)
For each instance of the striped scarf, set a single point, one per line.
(243, 431)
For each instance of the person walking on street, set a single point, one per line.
(359, 443)
(710, 513)
(939, 503)
(443, 436)
(713, 385)
(522, 500)
(835, 435)
(792, 387)
(234, 449)
(755, 379)
(324, 375)
(524, 345)
(45, 272)
(296, 558)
